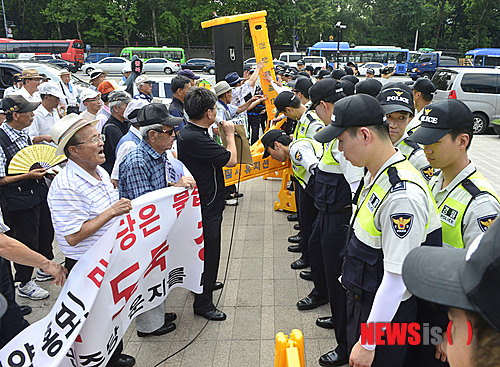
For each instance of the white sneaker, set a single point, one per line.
(32, 291)
(42, 276)
(231, 202)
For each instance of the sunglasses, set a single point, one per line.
(170, 132)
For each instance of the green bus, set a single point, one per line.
(145, 53)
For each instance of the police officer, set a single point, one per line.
(467, 202)
(395, 212)
(422, 90)
(335, 180)
(398, 108)
(301, 89)
(307, 125)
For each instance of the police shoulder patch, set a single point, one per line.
(400, 186)
(486, 221)
(427, 172)
(298, 156)
(401, 224)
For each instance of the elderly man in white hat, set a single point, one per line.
(82, 199)
(126, 71)
(46, 114)
(91, 99)
(96, 77)
(70, 93)
(144, 87)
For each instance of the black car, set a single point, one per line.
(196, 64)
(210, 68)
(64, 64)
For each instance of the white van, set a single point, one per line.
(291, 58)
(478, 88)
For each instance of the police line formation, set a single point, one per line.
(390, 209)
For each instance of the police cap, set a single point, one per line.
(424, 85)
(369, 86)
(328, 90)
(357, 110)
(270, 137)
(396, 99)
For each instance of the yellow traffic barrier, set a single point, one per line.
(289, 351)
(286, 199)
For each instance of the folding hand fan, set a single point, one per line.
(34, 156)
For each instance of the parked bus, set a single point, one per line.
(387, 55)
(171, 53)
(70, 50)
(484, 57)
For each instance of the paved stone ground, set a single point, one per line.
(260, 291)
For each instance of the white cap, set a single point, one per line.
(134, 106)
(127, 69)
(52, 89)
(142, 79)
(88, 93)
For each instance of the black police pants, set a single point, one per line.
(358, 310)
(329, 236)
(12, 322)
(69, 264)
(212, 223)
(33, 227)
(307, 215)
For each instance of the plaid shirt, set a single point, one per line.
(144, 170)
(20, 138)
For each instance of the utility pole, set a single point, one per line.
(5, 21)
(339, 26)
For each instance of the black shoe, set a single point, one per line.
(295, 248)
(25, 310)
(213, 315)
(237, 195)
(289, 187)
(292, 217)
(295, 239)
(165, 329)
(218, 285)
(309, 303)
(306, 275)
(332, 359)
(124, 361)
(170, 316)
(296, 226)
(299, 264)
(325, 322)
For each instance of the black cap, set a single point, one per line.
(300, 62)
(351, 78)
(326, 90)
(396, 99)
(156, 113)
(424, 85)
(439, 118)
(285, 99)
(370, 71)
(357, 110)
(303, 73)
(347, 86)
(399, 85)
(462, 279)
(309, 68)
(338, 73)
(303, 84)
(369, 86)
(348, 70)
(270, 137)
(322, 73)
(17, 103)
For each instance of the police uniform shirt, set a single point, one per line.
(479, 214)
(405, 201)
(418, 160)
(302, 154)
(307, 126)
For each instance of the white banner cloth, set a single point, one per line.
(131, 269)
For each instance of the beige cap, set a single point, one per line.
(30, 74)
(65, 128)
(221, 87)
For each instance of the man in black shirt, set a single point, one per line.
(179, 86)
(204, 158)
(115, 127)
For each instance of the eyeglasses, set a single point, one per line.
(95, 139)
(170, 132)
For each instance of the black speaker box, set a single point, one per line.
(228, 40)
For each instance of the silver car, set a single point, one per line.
(478, 88)
(108, 64)
(160, 65)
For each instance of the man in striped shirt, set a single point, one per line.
(82, 199)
